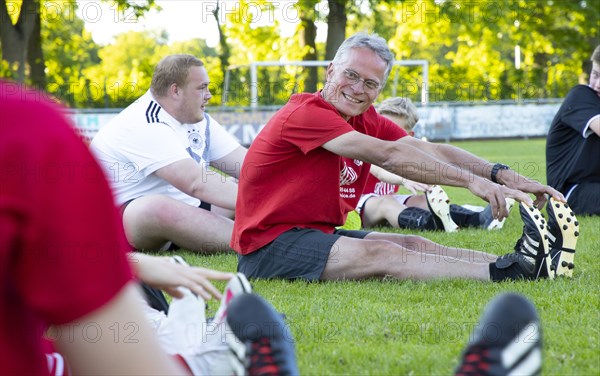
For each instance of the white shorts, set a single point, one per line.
(363, 198)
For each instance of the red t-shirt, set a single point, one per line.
(288, 180)
(62, 243)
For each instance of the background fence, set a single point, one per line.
(438, 121)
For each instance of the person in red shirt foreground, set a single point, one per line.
(65, 275)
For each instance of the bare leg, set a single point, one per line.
(417, 201)
(152, 221)
(379, 209)
(222, 212)
(352, 258)
(422, 245)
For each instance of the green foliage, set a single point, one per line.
(126, 67)
(470, 46)
(68, 50)
(420, 328)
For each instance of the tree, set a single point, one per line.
(68, 50)
(19, 23)
(308, 35)
(336, 27)
(15, 31)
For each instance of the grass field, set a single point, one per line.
(419, 328)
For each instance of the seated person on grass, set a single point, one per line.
(71, 291)
(289, 203)
(573, 145)
(156, 154)
(379, 204)
(66, 276)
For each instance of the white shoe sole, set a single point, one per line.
(569, 228)
(439, 204)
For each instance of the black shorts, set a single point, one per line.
(584, 198)
(299, 253)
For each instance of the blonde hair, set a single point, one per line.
(172, 69)
(401, 107)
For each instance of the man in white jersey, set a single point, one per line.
(158, 154)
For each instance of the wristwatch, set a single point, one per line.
(497, 167)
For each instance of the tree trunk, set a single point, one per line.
(336, 27)
(15, 38)
(308, 39)
(225, 52)
(35, 56)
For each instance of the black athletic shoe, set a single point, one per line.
(269, 345)
(563, 231)
(507, 340)
(533, 244)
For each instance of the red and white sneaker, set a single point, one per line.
(236, 286)
(260, 337)
(507, 340)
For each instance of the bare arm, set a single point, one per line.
(482, 168)
(390, 178)
(231, 164)
(115, 340)
(202, 183)
(406, 160)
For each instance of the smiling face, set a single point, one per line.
(350, 83)
(193, 96)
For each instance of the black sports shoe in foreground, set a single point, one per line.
(531, 259)
(507, 340)
(563, 231)
(267, 343)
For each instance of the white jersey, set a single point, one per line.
(144, 138)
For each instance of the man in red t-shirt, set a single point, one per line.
(289, 201)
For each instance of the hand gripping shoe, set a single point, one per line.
(563, 231)
(439, 206)
(507, 340)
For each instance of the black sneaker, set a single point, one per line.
(533, 244)
(439, 205)
(269, 345)
(563, 231)
(507, 340)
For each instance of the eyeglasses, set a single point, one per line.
(354, 77)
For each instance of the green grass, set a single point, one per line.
(419, 328)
